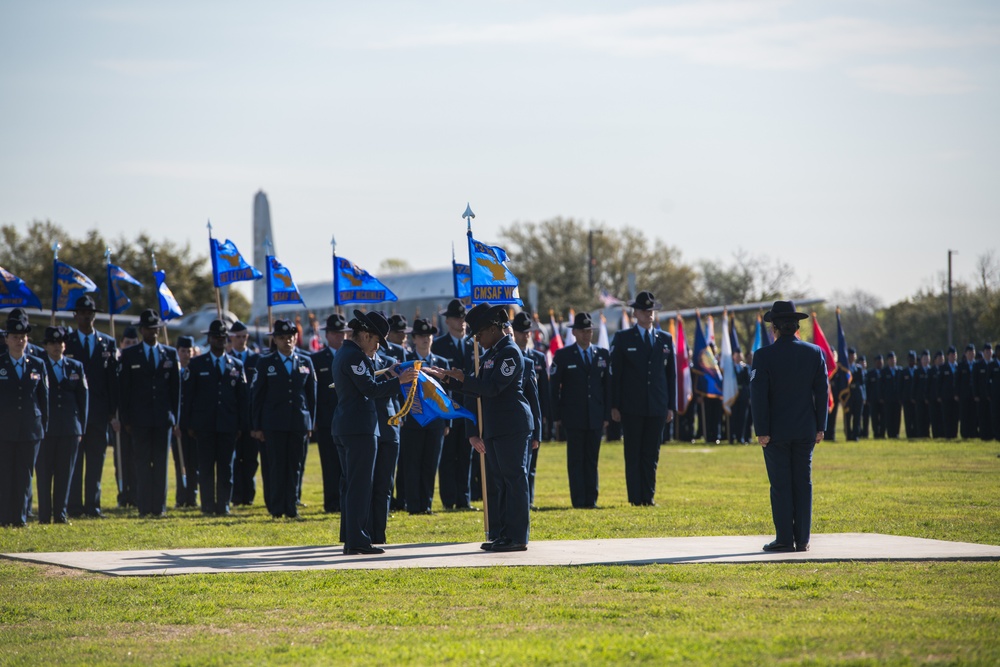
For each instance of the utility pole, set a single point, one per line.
(950, 341)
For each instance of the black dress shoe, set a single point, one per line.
(802, 547)
(365, 551)
(95, 514)
(777, 546)
(510, 546)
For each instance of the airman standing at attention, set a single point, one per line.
(535, 387)
(326, 405)
(183, 448)
(247, 449)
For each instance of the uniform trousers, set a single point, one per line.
(151, 447)
(865, 419)
(949, 416)
(910, 419)
(17, 459)
(923, 419)
(186, 484)
(852, 419)
(383, 477)
(85, 484)
(284, 461)
(831, 422)
(245, 470)
(508, 500)
(420, 454)
(357, 458)
(216, 451)
(738, 419)
(891, 418)
(937, 418)
(641, 436)
(454, 471)
(969, 418)
(329, 461)
(53, 470)
(986, 431)
(583, 451)
(878, 419)
(789, 469)
(532, 468)
(125, 472)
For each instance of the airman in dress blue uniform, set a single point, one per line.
(948, 393)
(99, 355)
(907, 386)
(247, 449)
(856, 399)
(643, 384)
(326, 405)
(981, 381)
(536, 390)
(876, 406)
(788, 397)
(24, 405)
(386, 453)
(581, 398)
(283, 412)
(150, 403)
(921, 396)
(215, 411)
(393, 352)
(889, 394)
(507, 426)
(965, 393)
(183, 449)
(67, 420)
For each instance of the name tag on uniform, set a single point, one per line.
(321, 370)
(203, 373)
(136, 366)
(630, 349)
(571, 366)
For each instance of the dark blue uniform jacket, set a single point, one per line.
(357, 388)
(788, 390)
(24, 403)
(67, 399)
(283, 401)
(214, 401)
(581, 392)
(150, 397)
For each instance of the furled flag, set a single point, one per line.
(352, 284)
(683, 394)
(281, 289)
(68, 284)
(710, 332)
(761, 338)
(734, 339)
(729, 388)
(491, 280)
(169, 308)
(555, 340)
(431, 401)
(626, 321)
(462, 277)
(843, 378)
(704, 365)
(119, 300)
(819, 339)
(15, 293)
(570, 338)
(602, 334)
(228, 265)
(608, 300)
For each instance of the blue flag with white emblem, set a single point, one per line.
(491, 280)
(431, 401)
(119, 301)
(169, 308)
(15, 293)
(228, 265)
(281, 289)
(68, 284)
(352, 284)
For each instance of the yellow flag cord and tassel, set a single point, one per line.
(397, 418)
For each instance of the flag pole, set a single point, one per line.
(469, 215)
(218, 294)
(166, 329)
(268, 253)
(336, 295)
(55, 258)
(119, 470)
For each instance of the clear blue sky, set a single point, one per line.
(856, 140)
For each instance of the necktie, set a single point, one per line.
(586, 357)
(86, 341)
(288, 365)
(149, 356)
(222, 366)
(19, 368)
(57, 369)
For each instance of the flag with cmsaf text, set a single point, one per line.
(352, 284)
(492, 281)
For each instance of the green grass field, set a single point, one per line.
(838, 613)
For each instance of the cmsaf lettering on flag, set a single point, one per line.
(352, 284)
(68, 284)
(281, 289)
(15, 293)
(119, 300)
(228, 265)
(491, 281)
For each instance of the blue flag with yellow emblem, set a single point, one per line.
(352, 284)
(463, 280)
(169, 308)
(281, 289)
(68, 284)
(228, 265)
(431, 401)
(119, 301)
(15, 293)
(491, 280)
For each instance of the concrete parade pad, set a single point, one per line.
(637, 551)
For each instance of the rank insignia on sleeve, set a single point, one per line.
(507, 367)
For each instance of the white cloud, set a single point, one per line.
(911, 80)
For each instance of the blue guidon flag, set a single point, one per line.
(352, 284)
(491, 281)
(228, 265)
(431, 401)
(281, 289)
(68, 284)
(119, 301)
(462, 276)
(169, 308)
(15, 293)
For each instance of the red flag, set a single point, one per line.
(555, 341)
(684, 388)
(831, 364)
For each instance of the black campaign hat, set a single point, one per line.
(522, 322)
(455, 309)
(86, 302)
(216, 328)
(54, 335)
(284, 328)
(130, 332)
(484, 315)
(398, 324)
(185, 342)
(17, 322)
(150, 319)
(372, 322)
(422, 327)
(783, 310)
(238, 327)
(969, 347)
(988, 346)
(952, 350)
(645, 301)
(583, 321)
(335, 322)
